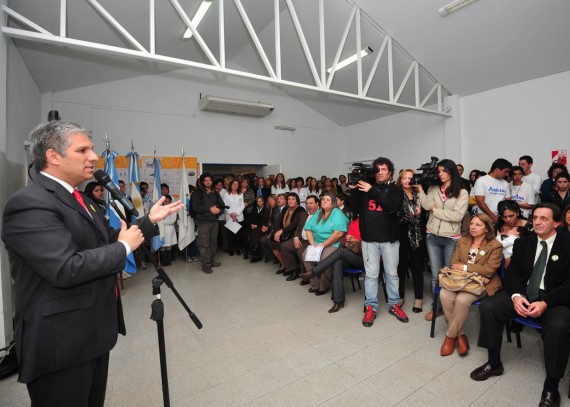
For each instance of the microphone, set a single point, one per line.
(103, 179)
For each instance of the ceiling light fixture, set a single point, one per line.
(351, 59)
(454, 6)
(197, 18)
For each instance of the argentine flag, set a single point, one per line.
(114, 219)
(157, 241)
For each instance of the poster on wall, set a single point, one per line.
(170, 172)
(560, 157)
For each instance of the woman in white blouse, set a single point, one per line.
(279, 186)
(235, 201)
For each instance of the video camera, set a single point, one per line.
(428, 173)
(361, 172)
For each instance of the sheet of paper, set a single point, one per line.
(313, 253)
(234, 227)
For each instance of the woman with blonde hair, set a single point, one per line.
(477, 253)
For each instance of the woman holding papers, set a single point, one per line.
(324, 231)
(234, 216)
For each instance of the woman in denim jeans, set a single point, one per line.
(446, 202)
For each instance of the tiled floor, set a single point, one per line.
(268, 342)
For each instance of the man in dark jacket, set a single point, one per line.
(64, 258)
(208, 204)
(377, 205)
(537, 285)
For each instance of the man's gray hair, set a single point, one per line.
(52, 135)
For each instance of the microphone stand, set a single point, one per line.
(157, 310)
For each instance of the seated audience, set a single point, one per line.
(274, 207)
(478, 253)
(284, 229)
(349, 254)
(325, 230)
(536, 285)
(292, 250)
(256, 226)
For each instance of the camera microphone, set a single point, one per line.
(103, 178)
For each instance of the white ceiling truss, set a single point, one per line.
(389, 78)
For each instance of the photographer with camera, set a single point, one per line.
(208, 204)
(446, 201)
(376, 199)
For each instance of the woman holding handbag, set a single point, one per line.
(477, 253)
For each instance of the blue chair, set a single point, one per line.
(355, 274)
(500, 271)
(531, 323)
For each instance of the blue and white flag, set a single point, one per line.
(157, 241)
(186, 232)
(133, 179)
(114, 218)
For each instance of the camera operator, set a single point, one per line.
(377, 204)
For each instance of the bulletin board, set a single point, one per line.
(170, 171)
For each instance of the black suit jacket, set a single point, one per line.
(63, 263)
(557, 277)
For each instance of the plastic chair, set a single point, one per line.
(531, 323)
(355, 273)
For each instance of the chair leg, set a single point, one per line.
(508, 329)
(358, 281)
(518, 335)
(433, 315)
(352, 282)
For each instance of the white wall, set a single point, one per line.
(162, 111)
(530, 117)
(19, 112)
(408, 139)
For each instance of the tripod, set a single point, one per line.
(157, 311)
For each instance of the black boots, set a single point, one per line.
(166, 257)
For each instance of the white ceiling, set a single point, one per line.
(483, 46)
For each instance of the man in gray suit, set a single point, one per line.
(64, 258)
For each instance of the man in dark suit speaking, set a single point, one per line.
(537, 285)
(63, 260)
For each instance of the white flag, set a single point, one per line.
(186, 232)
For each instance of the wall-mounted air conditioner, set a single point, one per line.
(232, 106)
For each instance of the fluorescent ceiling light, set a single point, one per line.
(351, 59)
(197, 18)
(453, 6)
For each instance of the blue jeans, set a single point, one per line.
(390, 253)
(440, 251)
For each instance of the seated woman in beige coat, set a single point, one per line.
(479, 253)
